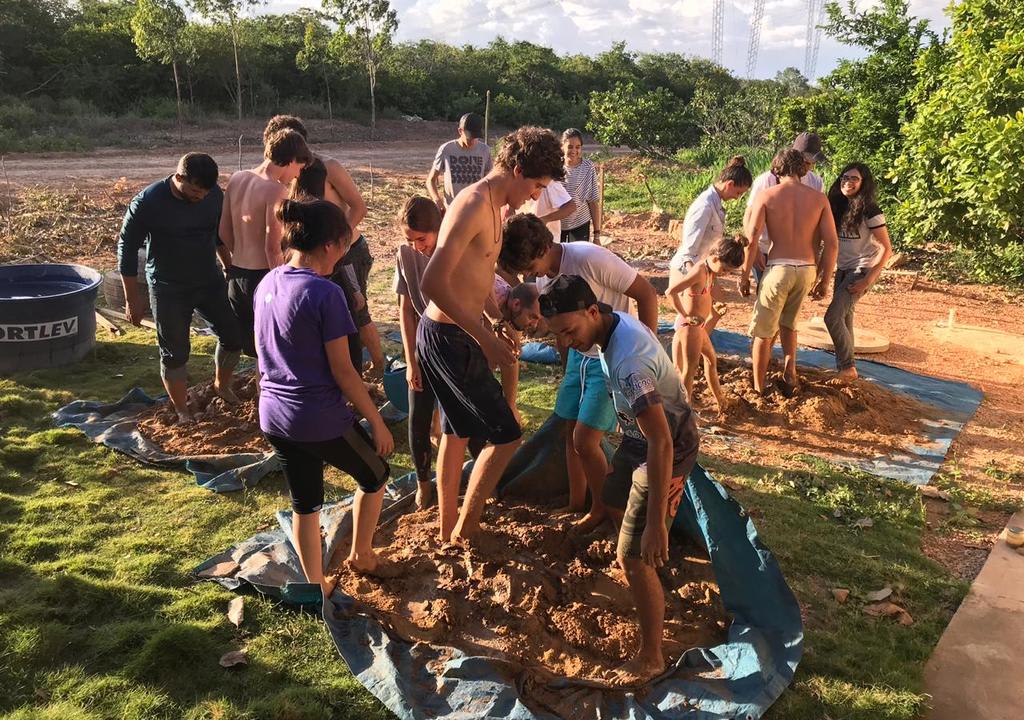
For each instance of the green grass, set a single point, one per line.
(675, 184)
(100, 618)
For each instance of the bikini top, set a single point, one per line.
(708, 284)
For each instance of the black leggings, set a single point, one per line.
(303, 465)
(421, 414)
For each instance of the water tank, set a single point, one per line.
(47, 315)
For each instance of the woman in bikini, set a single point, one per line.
(690, 293)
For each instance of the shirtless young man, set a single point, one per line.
(795, 216)
(456, 352)
(353, 272)
(583, 400)
(250, 230)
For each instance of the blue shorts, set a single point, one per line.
(583, 395)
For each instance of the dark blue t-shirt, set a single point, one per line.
(180, 236)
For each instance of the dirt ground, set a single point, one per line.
(69, 208)
(531, 591)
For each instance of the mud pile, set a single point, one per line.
(219, 428)
(533, 592)
(859, 417)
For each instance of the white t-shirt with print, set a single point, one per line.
(550, 199)
(861, 250)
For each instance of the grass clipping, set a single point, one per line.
(532, 592)
(860, 418)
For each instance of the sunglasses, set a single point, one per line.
(852, 179)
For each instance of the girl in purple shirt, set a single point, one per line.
(307, 381)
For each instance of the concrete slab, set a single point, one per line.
(975, 671)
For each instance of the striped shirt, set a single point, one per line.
(581, 182)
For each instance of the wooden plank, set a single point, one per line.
(105, 322)
(115, 315)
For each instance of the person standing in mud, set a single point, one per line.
(455, 351)
(307, 382)
(249, 228)
(353, 272)
(583, 400)
(176, 219)
(658, 450)
(795, 215)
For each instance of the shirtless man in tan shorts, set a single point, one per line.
(456, 352)
(795, 216)
(250, 230)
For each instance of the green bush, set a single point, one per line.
(960, 170)
(654, 122)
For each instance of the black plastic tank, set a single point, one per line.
(47, 315)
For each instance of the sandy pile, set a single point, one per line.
(860, 418)
(219, 428)
(532, 592)
(637, 221)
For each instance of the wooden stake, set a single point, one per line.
(487, 118)
(112, 327)
(600, 195)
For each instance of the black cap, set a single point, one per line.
(569, 293)
(810, 145)
(473, 124)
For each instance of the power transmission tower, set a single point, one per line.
(755, 36)
(817, 42)
(812, 16)
(717, 30)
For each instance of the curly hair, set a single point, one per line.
(849, 212)
(525, 238)
(789, 163)
(284, 122)
(535, 151)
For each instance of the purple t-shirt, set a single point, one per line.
(297, 311)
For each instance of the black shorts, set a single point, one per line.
(241, 292)
(303, 465)
(472, 404)
(580, 233)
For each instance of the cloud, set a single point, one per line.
(590, 26)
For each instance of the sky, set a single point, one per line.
(591, 26)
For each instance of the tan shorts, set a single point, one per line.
(779, 297)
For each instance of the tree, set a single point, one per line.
(960, 176)
(315, 55)
(158, 31)
(654, 122)
(227, 11)
(793, 81)
(373, 24)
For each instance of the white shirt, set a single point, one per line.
(607, 274)
(703, 226)
(550, 199)
(769, 179)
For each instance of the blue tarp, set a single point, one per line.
(740, 678)
(114, 425)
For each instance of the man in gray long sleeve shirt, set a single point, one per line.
(176, 219)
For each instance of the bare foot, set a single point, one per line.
(424, 494)
(568, 510)
(847, 374)
(463, 535)
(225, 393)
(637, 671)
(590, 522)
(787, 388)
(372, 564)
(185, 417)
